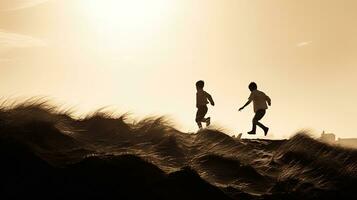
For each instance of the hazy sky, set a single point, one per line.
(145, 57)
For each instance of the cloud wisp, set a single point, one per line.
(302, 44)
(5, 60)
(13, 40)
(12, 5)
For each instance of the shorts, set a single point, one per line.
(259, 114)
(201, 112)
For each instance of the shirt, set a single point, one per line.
(202, 98)
(259, 99)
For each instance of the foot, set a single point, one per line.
(208, 121)
(251, 133)
(266, 129)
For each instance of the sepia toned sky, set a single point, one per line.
(145, 56)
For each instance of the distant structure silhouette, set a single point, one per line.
(328, 137)
(202, 99)
(347, 142)
(260, 100)
(331, 139)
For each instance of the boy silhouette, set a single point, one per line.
(202, 98)
(260, 100)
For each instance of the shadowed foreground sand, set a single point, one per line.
(47, 154)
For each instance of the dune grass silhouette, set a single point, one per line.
(46, 153)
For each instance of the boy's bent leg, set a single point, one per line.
(265, 129)
(198, 121)
(199, 125)
(261, 125)
(201, 112)
(259, 114)
(208, 121)
(199, 116)
(254, 127)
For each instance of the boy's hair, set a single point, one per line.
(200, 84)
(253, 86)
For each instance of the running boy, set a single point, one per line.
(260, 100)
(202, 98)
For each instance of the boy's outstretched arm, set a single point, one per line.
(248, 102)
(210, 99)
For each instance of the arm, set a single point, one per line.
(268, 100)
(246, 104)
(210, 99)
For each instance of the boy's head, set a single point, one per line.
(253, 86)
(200, 84)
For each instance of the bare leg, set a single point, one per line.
(261, 125)
(208, 121)
(200, 115)
(258, 116)
(257, 123)
(199, 125)
(265, 129)
(254, 127)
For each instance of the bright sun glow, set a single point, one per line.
(124, 25)
(128, 15)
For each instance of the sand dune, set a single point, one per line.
(47, 154)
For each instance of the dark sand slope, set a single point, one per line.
(47, 154)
